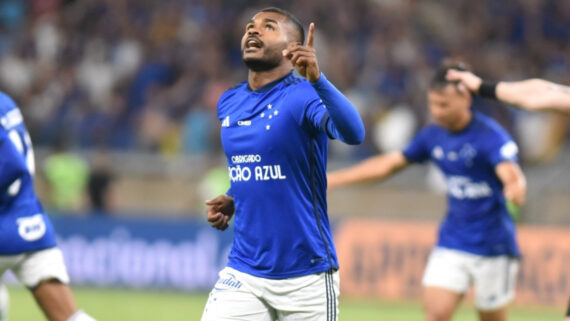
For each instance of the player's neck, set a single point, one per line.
(463, 122)
(258, 79)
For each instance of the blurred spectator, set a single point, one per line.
(214, 182)
(65, 62)
(100, 187)
(66, 174)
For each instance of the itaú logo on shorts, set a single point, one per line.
(31, 228)
(462, 187)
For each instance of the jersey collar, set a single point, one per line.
(268, 86)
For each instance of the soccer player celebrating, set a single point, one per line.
(275, 131)
(27, 239)
(476, 243)
(530, 94)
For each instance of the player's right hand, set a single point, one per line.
(220, 211)
(304, 58)
(468, 79)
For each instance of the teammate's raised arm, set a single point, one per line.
(529, 94)
(373, 169)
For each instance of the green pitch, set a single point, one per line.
(126, 305)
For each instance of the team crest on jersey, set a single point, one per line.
(32, 228)
(468, 153)
(269, 114)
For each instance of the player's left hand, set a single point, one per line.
(304, 58)
(220, 211)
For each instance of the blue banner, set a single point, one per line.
(142, 253)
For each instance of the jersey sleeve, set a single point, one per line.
(502, 148)
(315, 115)
(329, 111)
(417, 150)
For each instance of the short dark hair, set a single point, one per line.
(439, 79)
(291, 18)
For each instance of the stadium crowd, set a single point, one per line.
(145, 75)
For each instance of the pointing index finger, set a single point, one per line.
(310, 37)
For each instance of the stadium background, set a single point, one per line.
(120, 95)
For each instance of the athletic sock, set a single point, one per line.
(80, 316)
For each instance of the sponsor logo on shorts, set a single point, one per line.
(228, 282)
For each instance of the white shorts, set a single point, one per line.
(240, 296)
(33, 267)
(494, 277)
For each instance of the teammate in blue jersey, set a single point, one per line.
(275, 129)
(27, 240)
(476, 243)
(529, 94)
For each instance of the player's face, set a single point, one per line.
(266, 36)
(449, 106)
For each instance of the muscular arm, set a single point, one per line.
(514, 182)
(374, 168)
(530, 94)
(536, 95)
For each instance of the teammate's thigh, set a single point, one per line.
(445, 280)
(439, 304)
(232, 299)
(39, 266)
(448, 269)
(495, 282)
(313, 297)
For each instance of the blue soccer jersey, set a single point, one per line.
(276, 140)
(23, 225)
(477, 220)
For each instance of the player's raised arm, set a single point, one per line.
(304, 58)
(344, 122)
(514, 182)
(373, 169)
(530, 94)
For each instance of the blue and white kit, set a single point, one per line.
(276, 140)
(477, 220)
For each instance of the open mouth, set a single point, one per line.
(253, 43)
